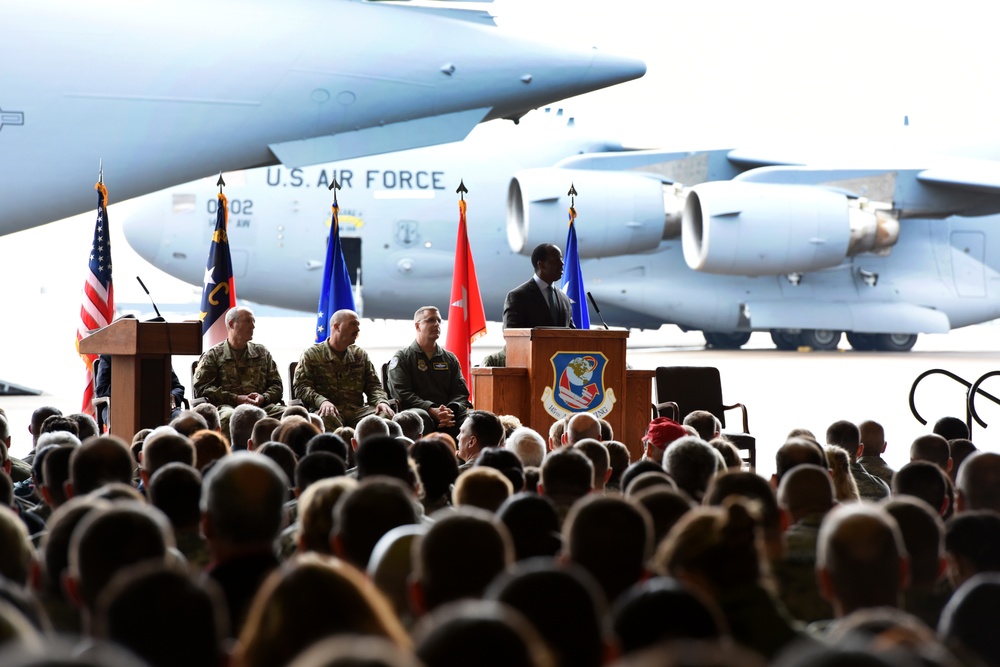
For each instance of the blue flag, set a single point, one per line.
(573, 277)
(336, 294)
(219, 293)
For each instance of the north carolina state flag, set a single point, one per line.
(466, 318)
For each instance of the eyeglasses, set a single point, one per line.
(432, 320)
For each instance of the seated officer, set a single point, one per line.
(428, 379)
(333, 377)
(238, 372)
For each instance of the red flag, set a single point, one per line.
(466, 318)
(98, 307)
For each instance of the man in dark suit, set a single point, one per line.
(539, 302)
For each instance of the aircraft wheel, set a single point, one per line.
(726, 341)
(862, 342)
(784, 340)
(895, 342)
(820, 339)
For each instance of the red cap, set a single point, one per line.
(663, 430)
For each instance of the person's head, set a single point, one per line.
(243, 426)
(692, 464)
(315, 513)
(427, 322)
(972, 544)
(55, 474)
(209, 446)
(922, 531)
(281, 454)
(481, 429)
(328, 442)
(547, 261)
(382, 455)
(505, 462)
(563, 602)
(968, 621)
(839, 464)
(797, 451)
(951, 428)
(439, 576)
(861, 559)
(750, 486)
(85, 424)
(660, 433)
(872, 438)
(164, 445)
(556, 430)
(97, 462)
(259, 433)
(17, 555)
(241, 503)
(366, 513)
(599, 458)
(977, 486)
(510, 424)
(311, 598)
(187, 422)
(240, 324)
(175, 490)
(296, 432)
(533, 523)
(619, 459)
(566, 474)
(610, 537)
(55, 542)
(806, 489)
(845, 434)
(662, 609)
(210, 414)
(345, 325)
(961, 449)
(316, 466)
(164, 616)
(924, 480)
(411, 423)
(437, 466)
(371, 426)
(49, 424)
(39, 416)
(705, 423)
(483, 487)
(666, 505)
(580, 426)
(527, 445)
(932, 448)
(640, 468)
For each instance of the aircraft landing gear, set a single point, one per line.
(862, 342)
(820, 339)
(726, 341)
(785, 340)
(895, 342)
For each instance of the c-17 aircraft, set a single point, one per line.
(167, 92)
(726, 241)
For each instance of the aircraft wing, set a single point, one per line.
(969, 175)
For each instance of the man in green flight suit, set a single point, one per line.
(334, 377)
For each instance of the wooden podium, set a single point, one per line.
(140, 368)
(554, 372)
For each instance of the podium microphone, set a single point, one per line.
(159, 318)
(596, 309)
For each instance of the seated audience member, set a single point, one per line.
(639, 468)
(599, 458)
(55, 423)
(366, 513)
(607, 431)
(371, 426)
(164, 445)
(969, 621)
(55, 474)
(97, 462)
(38, 417)
(797, 451)
(211, 416)
(961, 449)
(481, 633)
(619, 459)
(805, 497)
(503, 461)
(839, 465)
(611, 538)
(175, 490)
(567, 476)
(296, 432)
(950, 428)
(861, 559)
(187, 422)
(483, 487)
(934, 449)
(579, 427)
(439, 577)
(661, 432)
(532, 475)
(692, 464)
(42, 509)
(85, 424)
(753, 487)
(396, 431)
(649, 480)
(716, 551)
(17, 556)
(316, 466)
(391, 568)
(238, 372)
(281, 454)
(241, 514)
(209, 446)
(872, 447)
(426, 378)
(972, 545)
(163, 616)
(242, 423)
(562, 602)
(312, 598)
(385, 456)
(977, 486)
(533, 524)
(510, 424)
(556, 430)
(847, 436)
(922, 531)
(411, 423)
(704, 423)
(438, 469)
(480, 430)
(662, 609)
(924, 480)
(261, 432)
(315, 513)
(527, 445)
(328, 442)
(730, 454)
(666, 506)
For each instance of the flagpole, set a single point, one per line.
(466, 317)
(336, 292)
(573, 278)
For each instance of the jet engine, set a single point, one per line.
(757, 229)
(619, 212)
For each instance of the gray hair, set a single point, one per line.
(692, 463)
(369, 427)
(233, 313)
(528, 445)
(57, 438)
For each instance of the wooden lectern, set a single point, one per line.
(140, 368)
(553, 372)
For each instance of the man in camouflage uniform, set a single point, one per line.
(428, 379)
(333, 377)
(237, 372)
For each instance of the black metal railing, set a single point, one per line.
(972, 389)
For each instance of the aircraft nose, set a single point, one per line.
(608, 69)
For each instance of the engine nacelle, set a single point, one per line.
(757, 229)
(620, 212)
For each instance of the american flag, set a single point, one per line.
(98, 306)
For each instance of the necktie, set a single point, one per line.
(553, 306)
